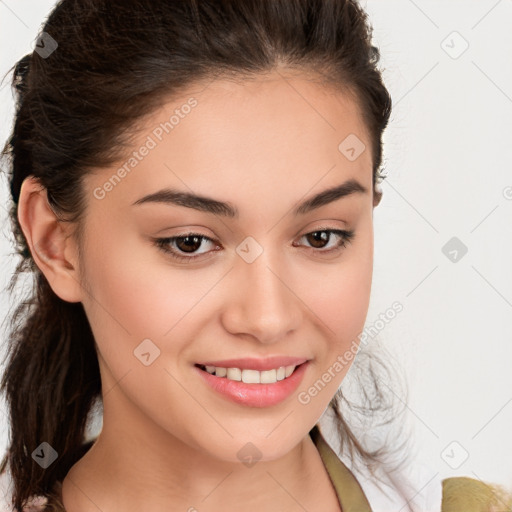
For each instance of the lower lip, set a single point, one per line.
(255, 395)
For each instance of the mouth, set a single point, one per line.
(254, 388)
(249, 376)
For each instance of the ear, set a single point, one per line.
(377, 196)
(50, 242)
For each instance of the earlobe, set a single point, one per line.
(377, 197)
(51, 247)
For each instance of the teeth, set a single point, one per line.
(220, 372)
(252, 376)
(268, 376)
(234, 374)
(288, 370)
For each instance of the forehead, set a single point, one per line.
(280, 131)
(282, 111)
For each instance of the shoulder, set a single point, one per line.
(471, 495)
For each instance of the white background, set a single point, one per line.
(448, 159)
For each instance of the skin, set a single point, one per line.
(169, 442)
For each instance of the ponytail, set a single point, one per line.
(50, 383)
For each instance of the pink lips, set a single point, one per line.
(255, 395)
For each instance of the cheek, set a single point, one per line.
(136, 295)
(128, 300)
(342, 305)
(341, 295)
(340, 299)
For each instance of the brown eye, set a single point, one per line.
(319, 238)
(188, 243)
(322, 237)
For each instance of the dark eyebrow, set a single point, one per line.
(328, 196)
(209, 205)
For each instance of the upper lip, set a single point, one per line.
(250, 363)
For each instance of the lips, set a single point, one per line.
(251, 394)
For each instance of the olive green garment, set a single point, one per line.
(460, 494)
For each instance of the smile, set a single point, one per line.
(251, 376)
(253, 388)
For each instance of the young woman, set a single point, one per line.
(193, 185)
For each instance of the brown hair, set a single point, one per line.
(76, 108)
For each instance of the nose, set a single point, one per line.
(262, 302)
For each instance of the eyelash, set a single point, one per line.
(346, 236)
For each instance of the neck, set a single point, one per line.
(136, 465)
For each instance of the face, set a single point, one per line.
(264, 281)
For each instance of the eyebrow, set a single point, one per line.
(210, 205)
